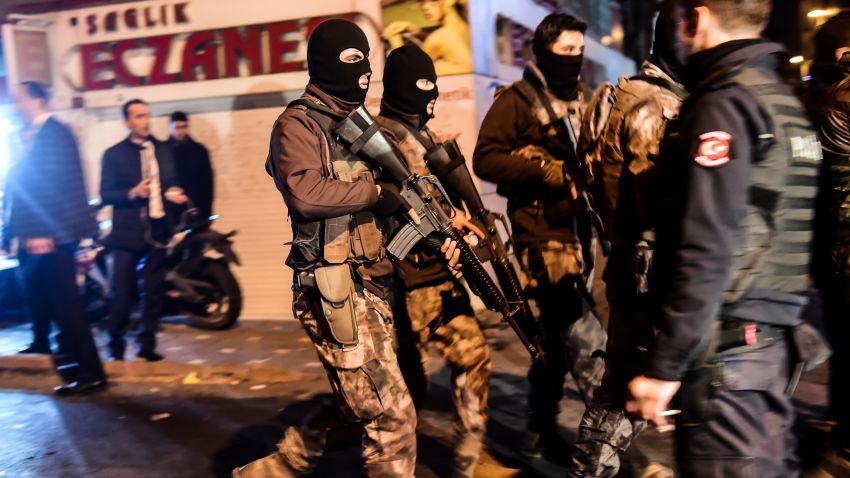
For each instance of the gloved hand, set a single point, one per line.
(553, 173)
(389, 200)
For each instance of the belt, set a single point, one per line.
(738, 336)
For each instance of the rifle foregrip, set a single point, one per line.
(478, 278)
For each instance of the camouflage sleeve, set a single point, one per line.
(595, 117)
(590, 147)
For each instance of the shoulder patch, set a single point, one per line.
(713, 149)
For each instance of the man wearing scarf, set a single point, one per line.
(434, 308)
(513, 152)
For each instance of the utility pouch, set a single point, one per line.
(367, 239)
(337, 239)
(335, 286)
(810, 349)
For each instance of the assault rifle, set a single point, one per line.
(449, 165)
(363, 137)
(562, 139)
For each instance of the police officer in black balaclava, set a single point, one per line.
(338, 60)
(432, 306)
(410, 83)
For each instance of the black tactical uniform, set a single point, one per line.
(740, 173)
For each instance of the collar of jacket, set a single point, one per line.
(337, 105)
(129, 142)
(172, 141)
(711, 66)
(412, 120)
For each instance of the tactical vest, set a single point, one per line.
(420, 267)
(774, 254)
(356, 238)
(412, 146)
(560, 108)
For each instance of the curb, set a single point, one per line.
(163, 371)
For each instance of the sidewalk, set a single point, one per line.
(256, 350)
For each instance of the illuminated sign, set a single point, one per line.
(203, 55)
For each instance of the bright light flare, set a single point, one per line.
(796, 59)
(820, 13)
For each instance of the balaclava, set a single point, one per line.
(404, 67)
(668, 52)
(327, 71)
(561, 72)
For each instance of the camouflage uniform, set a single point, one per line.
(573, 337)
(353, 336)
(441, 315)
(369, 387)
(621, 135)
(439, 312)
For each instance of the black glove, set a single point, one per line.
(390, 201)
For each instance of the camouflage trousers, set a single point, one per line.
(369, 389)
(573, 338)
(604, 431)
(441, 315)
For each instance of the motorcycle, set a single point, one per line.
(198, 281)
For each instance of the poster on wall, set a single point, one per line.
(440, 27)
(33, 56)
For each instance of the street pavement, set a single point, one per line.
(222, 399)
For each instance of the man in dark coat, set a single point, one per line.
(138, 180)
(192, 162)
(49, 215)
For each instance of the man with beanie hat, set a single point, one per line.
(514, 151)
(340, 217)
(621, 134)
(435, 305)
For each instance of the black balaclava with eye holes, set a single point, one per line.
(405, 66)
(327, 70)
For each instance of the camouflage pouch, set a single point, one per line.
(337, 234)
(367, 238)
(335, 287)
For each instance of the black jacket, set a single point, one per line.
(47, 191)
(509, 125)
(706, 169)
(194, 172)
(122, 171)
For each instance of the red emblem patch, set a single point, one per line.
(714, 149)
(750, 334)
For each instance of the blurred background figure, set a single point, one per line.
(830, 96)
(137, 180)
(49, 214)
(192, 163)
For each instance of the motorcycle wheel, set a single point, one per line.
(222, 309)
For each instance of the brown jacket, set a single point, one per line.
(538, 213)
(299, 161)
